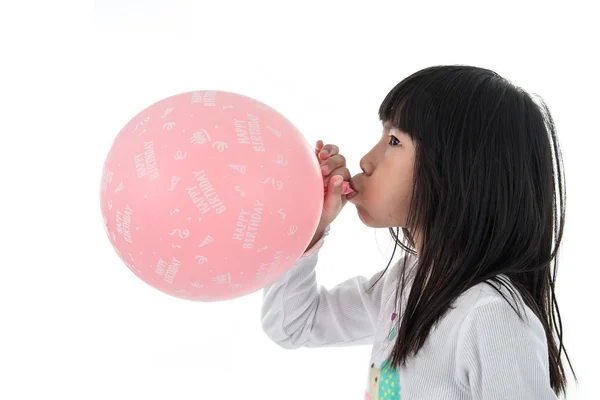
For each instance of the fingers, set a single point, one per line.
(343, 172)
(333, 166)
(318, 147)
(333, 163)
(333, 199)
(324, 151)
(327, 151)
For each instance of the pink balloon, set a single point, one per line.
(210, 195)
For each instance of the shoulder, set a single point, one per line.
(498, 316)
(501, 343)
(491, 296)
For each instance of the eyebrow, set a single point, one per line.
(388, 127)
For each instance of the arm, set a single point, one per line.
(297, 312)
(500, 356)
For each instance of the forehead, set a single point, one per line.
(389, 127)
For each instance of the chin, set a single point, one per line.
(366, 218)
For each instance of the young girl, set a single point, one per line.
(466, 166)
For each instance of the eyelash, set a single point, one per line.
(392, 138)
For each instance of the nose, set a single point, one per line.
(366, 166)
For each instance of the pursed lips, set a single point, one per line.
(353, 181)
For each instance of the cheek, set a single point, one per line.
(384, 191)
(386, 201)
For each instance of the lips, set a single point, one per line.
(354, 182)
(354, 186)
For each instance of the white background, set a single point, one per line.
(75, 323)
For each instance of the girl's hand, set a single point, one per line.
(333, 167)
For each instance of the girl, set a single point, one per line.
(466, 166)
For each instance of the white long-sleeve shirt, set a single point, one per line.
(480, 349)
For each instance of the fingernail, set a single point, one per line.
(324, 152)
(325, 169)
(337, 182)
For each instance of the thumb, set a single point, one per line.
(333, 198)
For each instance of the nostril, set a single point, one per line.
(366, 166)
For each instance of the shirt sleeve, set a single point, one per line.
(500, 356)
(298, 312)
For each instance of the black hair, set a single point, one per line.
(484, 200)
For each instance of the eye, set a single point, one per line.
(393, 141)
